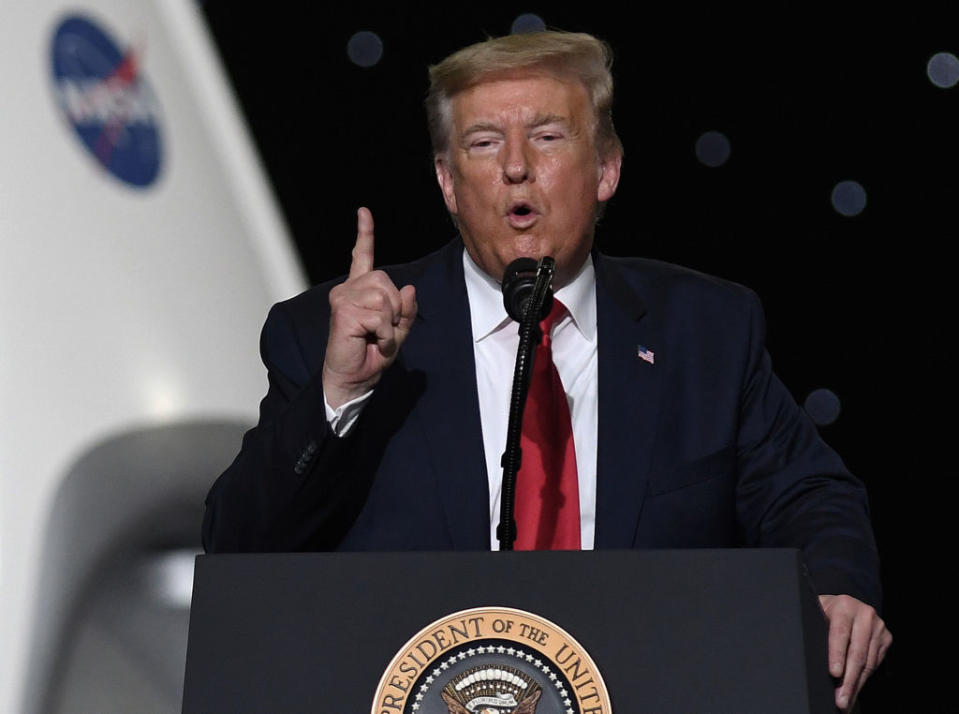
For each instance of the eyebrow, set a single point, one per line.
(538, 121)
(543, 119)
(481, 126)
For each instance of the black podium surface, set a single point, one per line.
(670, 631)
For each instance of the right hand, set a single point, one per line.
(369, 320)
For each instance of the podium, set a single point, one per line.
(668, 631)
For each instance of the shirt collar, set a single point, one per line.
(488, 314)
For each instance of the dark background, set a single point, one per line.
(859, 305)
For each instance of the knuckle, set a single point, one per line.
(845, 602)
(337, 299)
(381, 278)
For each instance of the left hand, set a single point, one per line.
(858, 640)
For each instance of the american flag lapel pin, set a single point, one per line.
(645, 354)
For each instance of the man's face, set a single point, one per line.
(522, 174)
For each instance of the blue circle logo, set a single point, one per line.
(102, 93)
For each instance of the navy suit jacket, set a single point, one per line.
(703, 448)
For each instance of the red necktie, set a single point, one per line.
(547, 489)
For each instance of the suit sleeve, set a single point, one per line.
(794, 490)
(289, 487)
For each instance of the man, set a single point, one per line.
(386, 412)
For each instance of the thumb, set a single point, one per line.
(408, 309)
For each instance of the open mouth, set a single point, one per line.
(521, 214)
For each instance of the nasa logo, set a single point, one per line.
(492, 660)
(102, 93)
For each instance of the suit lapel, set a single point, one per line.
(629, 397)
(441, 343)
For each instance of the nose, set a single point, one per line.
(517, 165)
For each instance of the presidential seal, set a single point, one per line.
(492, 660)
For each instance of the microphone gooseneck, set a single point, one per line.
(528, 297)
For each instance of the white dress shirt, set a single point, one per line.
(495, 341)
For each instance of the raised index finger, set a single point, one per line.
(363, 250)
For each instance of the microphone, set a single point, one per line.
(519, 279)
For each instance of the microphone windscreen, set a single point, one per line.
(518, 281)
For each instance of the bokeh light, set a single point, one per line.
(365, 48)
(713, 148)
(848, 198)
(822, 406)
(943, 70)
(527, 22)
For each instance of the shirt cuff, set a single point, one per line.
(343, 418)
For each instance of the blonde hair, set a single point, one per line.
(563, 54)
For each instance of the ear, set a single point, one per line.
(609, 169)
(444, 177)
